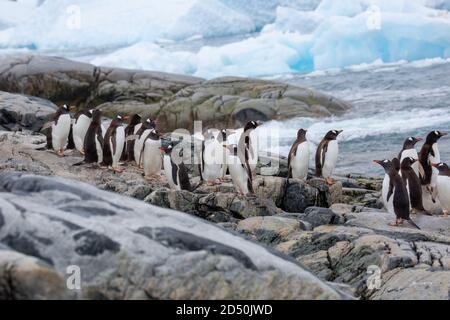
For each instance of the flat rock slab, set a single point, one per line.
(127, 249)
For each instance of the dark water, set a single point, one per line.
(391, 103)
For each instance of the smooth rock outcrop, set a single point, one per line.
(174, 100)
(127, 249)
(24, 112)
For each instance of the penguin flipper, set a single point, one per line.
(391, 190)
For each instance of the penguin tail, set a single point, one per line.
(79, 163)
(196, 187)
(414, 224)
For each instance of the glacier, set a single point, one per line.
(275, 36)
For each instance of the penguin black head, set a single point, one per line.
(411, 142)
(434, 136)
(251, 125)
(443, 168)
(301, 134)
(135, 119)
(149, 123)
(89, 113)
(386, 164)
(408, 162)
(96, 116)
(333, 134)
(118, 121)
(64, 109)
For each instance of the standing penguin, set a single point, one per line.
(327, 155)
(249, 141)
(443, 186)
(176, 173)
(151, 156)
(298, 159)
(80, 127)
(398, 193)
(93, 140)
(430, 154)
(130, 130)
(409, 150)
(212, 158)
(413, 185)
(142, 134)
(239, 168)
(114, 142)
(58, 133)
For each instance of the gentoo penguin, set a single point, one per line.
(327, 155)
(141, 134)
(413, 185)
(249, 142)
(93, 140)
(222, 138)
(80, 127)
(212, 158)
(114, 142)
(430, 154)
(59, 130)
(398, 193)
(409, 150)
(239, 168)
(298, 159)
(151, 156)
(176, 173)
(443, 186)
(130, 130)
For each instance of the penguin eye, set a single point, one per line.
(436, 133)
(148, 120)
(119, 117)
(441, 165)
(385, 161)
(410, 139)
(334, 131)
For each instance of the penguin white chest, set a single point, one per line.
(60, 132)
(443, 186)
(168, 171)
(331, 157)
(238, 174)
(213, 160)
(80, 128)
(138, 146)
(151, 157)
(99, 149)
(388, 205)
(300, 162)
(437, 156)
(412, 153)
(253, 150)
(120, 142)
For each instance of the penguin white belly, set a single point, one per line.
(60, 132)
(331, 157)
(253, 155)
(137, 127)
(138, 144)
(79, 131)
(428, 204)
(120, 142)
(168, 172)
(99, 148)
(443, 186)
(151, 158)
(212, 158)
(437, 156)
(300, 163)
(388, 205)
(238, 174)
(103, 130)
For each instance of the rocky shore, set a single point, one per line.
(138, 240)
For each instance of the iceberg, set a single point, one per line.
(270, 36)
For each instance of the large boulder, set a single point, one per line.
(19, 111)
(127, 249)
(175, 100)
(230, 102)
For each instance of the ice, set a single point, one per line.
(275, 36)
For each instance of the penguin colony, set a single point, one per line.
(411, 180)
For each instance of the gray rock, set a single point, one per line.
(24, 112)
(139, 250)
(175, 100)
(321, 216)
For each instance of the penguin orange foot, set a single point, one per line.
(397, 223)
(118, 169)
(329, 181)
(445, 213)
(60, 153)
